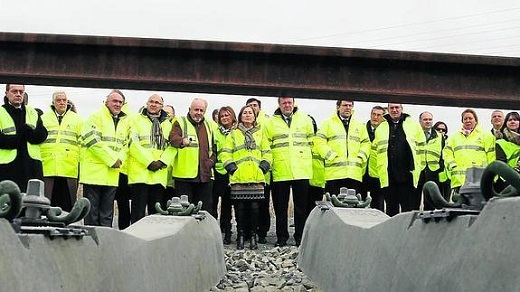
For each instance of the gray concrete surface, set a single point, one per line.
(365, 250)
(158, 253)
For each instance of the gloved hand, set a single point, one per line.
(264, 166)
(231, 168)
(155, 165)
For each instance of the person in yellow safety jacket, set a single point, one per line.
(247, 158)
(290, 135)
(507, 146)
(470, 146)
(317, 182)
(22, 132)
(399, 141)
(196, 155)
(60, 152)
(444, 175)
(264, 223)
(104, 139)
(343, 142)
(433, 163)
(149, 156)
(227, 121)
(370, 181)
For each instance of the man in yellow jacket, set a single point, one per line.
(342, 141)
(105, 137)
(192, 136)
(399, 142)
(149, 157)
(60, 152)
(290, 135)
(21, 133)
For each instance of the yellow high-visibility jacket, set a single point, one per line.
(345, 155)
(142, 152)
(7, 127)
(247, 161)
(102, 145)
(60, 151)
(291, 146)
(416, 141)
(462, 152)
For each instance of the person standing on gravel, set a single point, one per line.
(290, 133)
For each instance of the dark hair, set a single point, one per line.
(229, 110)
(339, 101)
(242, 110)
(252, 99)
(471, 111)
(514, 115)
(285, 96)
(441, 123)
(378, 107)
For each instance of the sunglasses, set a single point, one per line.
(440, 130)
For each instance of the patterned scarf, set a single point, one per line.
(249, 142)
(224, 131)
(157, 140)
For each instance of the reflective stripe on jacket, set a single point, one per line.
(7, 127)
(345, 156)
(462, 152)
(291, 146)
(511, 150)
(102, 146)
(415, 139)
(61, 150)
(142, 153)
(186, 162)
(247, 161)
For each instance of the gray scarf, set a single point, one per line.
(248, 134)
(157, 140)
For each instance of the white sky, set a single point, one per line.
(486, 27)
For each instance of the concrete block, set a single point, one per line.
(158, 253)
(365, 250)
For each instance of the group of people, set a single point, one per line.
(242, 161)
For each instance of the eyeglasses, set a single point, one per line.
(440, 130)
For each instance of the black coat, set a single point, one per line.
(23, 167)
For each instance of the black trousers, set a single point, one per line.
(426, 175)
(61, 191)
(221, 189)
(332, 186)
(246, 212)
(123, 202)
(372, 185)
(101, 204)
(197, 191)
(144, 198)
(315, 194)
(281, 192)
(399, 194)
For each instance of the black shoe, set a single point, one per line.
(253, 244)
(262, 240)
(280, 243)
(227, 238)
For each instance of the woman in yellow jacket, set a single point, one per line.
(247, 158)
(468, 147)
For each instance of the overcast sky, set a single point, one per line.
(462, 26)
